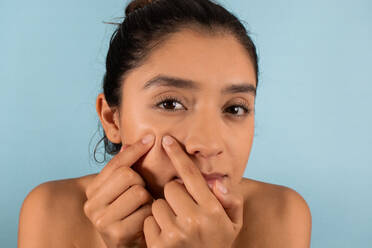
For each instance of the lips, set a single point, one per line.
(212, 176)
(209, 178)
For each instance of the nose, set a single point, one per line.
(203, 135)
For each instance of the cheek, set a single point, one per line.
(155, 167)
(241, 157)
(237, 171)
(138, 121)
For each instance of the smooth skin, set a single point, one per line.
(211, 133)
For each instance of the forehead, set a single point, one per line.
(212, 60)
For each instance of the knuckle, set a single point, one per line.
(97, 219)
(192, 221)
(125, 173)
(116, 235)
(175, 238)
(99, 224)
(192, 224)
(215, 210)
(140, 192)
(87, 208)
(172, 235)
(143, 194)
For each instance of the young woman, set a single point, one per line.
(182, 74)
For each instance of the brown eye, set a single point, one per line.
(239, 107)
(168, 103)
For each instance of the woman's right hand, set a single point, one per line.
(117, 201)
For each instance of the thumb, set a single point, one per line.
(232, 201)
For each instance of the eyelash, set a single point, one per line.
(164, 99)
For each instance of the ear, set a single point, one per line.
(109, 119)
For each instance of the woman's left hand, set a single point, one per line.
(191, 215)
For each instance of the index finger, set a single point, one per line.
(189, 173)
(126, 157)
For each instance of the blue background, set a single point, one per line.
(313, 109)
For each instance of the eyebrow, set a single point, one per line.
(170, 81)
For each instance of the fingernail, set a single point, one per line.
(148, 138)
(167, 140)
(221, 187)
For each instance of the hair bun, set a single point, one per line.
(136, 4)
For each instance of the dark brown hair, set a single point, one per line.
(149, 22)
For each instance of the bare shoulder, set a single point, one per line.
(52, 215)
(274, 216)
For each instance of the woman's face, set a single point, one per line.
(215, 133)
